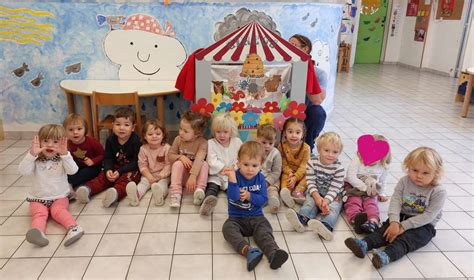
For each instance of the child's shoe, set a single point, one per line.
(278, 258)
(274, 203)
(158, 194)
(83, 194)
(254, 255)
(110, 197)
(74, 233)
(359, 219)
(37, 237)
(175, 201)
(198, 197)
(286, 198)
(298, 196)
(321, 229)
(132, 194)
(357, 246)
(296, 220)
(369, 226)
(208, 205)
(380, 259)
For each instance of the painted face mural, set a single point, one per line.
(144, 50)
(320, 55)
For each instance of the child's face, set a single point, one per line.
(421, 175)
(294, 133)
(76, 133)
(328, 153)
(249, 167)
(223, 136)
(295, 42)
(51, 145)
(267, 144)
(154, 136)
(123, 128)
(186, 132)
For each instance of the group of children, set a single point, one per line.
(67, 163)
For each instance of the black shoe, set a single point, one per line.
(359, 219)
(278, 258)
(369, 227)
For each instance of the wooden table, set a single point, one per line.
(85, 88)
(467, 95)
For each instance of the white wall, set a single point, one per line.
(393, 43)
(468, 60)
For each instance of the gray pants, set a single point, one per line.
(235, 229)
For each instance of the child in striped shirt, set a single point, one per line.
(325, 177)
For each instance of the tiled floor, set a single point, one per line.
(408, 107)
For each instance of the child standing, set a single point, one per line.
(221, 154)
(364, 186)
(295, 155)
(187, 155)
(86, 151)
(50, 162)
(415, 208)
(120, 162)
(325, 176)
(271, 168)
(153, 164)
(247, 194)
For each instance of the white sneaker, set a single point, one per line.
(198, 197)
(132, 194)
(274, 204)
(320, 229)
(175, 201)
(83, 194)
(292, 218)
(208, 205)
(73, 234)
(158, 194)
(111, 196)
(37, 237)
(286, 198)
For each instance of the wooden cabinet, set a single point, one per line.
(344, 57)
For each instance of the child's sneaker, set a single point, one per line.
(110, 197)
(37, 237)
(357, 246)
(175, 201)
(74, 233)
(254, 256)
(132, 194)
(286, 198)
(380, 259)
(158, 194)
(359, 219)
(294, 219)
(208, 205)
(198, 197)
(369, 226)
(83, 194)
(278, 258)
(321, 229)
(274, 204)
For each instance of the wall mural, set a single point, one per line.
(44, 43)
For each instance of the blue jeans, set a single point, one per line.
(315, 119)
(310, 210)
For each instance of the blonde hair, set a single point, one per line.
(252, 149)
(155, 125)
(51, 131)
(428, 157)
(329, 137)
(75, 118)
(224, 122)
(267, 131)
(388, 157)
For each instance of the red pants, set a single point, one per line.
(101, 183)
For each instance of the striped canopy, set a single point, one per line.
(252, 38)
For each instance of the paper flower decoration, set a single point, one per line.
(271, 107)
(218, 112)
(278, 122)
(225, 106)
(216, 98)
(202, 107)
(237, 116)
(238, 107)
(238, 95)
(284, 101)
(254, 109)
(266, 118)
(295, 110)
(250, 119)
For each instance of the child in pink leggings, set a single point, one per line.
(187, 158)
(50, 162)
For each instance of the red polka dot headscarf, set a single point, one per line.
(149, 24)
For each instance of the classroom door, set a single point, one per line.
(371, 28)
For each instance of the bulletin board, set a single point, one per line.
(422, 21)
(450, 9)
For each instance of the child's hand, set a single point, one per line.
(62, 150)
(151, 179)
(186, 162)
(324, 207)
(110, 175)
(87, 161)
(35, 146)
(392, 232)
(244, 195)
(382, 198)
(230, 173)
(191, 183)
(291, 182)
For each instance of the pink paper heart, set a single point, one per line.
(371, 150)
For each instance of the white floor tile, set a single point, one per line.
(94, 223)
(119, 244)
(350, 266)
(434, 264)
(450, 240)
(232, 267)
(29, 250)
(464, 261)
(314, 266)
(125, 223)
(149, 267)
(160, 223)
(155, 243)
(194, 222)
(191, 266)
(305, 242)
(402, 268)
(16, 268)
(9, 244)
(193, 243)
(84, 247)
(65, 268)
(107, 268)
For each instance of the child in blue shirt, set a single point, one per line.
(247, 194)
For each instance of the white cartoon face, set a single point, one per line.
(144, 55)
(321, 56)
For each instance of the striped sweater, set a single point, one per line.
(327, 180)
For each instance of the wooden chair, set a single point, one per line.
(112, 99)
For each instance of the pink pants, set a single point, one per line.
(357, 204)
(180, 175)
(59, 212)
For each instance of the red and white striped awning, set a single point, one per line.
(252, 38)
